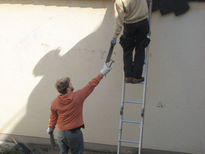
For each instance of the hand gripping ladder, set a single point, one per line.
(142, 103)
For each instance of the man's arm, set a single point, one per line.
(87, 89)
(119, 17)
(53, 118)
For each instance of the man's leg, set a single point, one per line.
(128, 46)
(141, 36)
(139, 62)
(127, 59)
(76, 142)
(62, 143)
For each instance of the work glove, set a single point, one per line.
(113, 41)
(105, 69)
(50, 131)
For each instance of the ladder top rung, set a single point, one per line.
(133, 102)
(141, 83)
(130, 141)
(131, 121)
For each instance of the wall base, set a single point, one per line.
(44, 143)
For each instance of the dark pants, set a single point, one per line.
(134, 38)
(71, 140)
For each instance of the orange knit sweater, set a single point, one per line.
(67, 110)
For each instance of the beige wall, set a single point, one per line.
(43, 41)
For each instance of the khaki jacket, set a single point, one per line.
(135, 11)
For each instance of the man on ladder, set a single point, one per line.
(132, 15)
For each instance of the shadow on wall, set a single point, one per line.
(54, 66)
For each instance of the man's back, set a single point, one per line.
(69, 110)
(133, 10)
(66, 110)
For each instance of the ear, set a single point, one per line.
(68, 90)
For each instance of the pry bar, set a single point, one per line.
(110, 53)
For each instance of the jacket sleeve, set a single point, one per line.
(119, 18)
(53, 118)
(84, 92)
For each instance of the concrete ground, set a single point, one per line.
(89, 149)
(47, 150)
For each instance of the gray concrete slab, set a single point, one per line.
(45, 149)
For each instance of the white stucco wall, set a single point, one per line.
(43, 41)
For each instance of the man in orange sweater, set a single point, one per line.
(66, 111)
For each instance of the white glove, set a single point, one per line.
(50, 131)
(105, 70)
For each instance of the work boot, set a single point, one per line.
(137, 80)
(128, 79)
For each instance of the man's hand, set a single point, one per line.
(105, 69)
(113, 41)
(50, 131)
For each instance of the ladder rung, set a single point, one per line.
(141, 82)
(129, 141)
(133, 102)
(130, 121)
(138, 83)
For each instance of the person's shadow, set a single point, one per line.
(81, 59)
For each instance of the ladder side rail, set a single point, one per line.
(121, 115)
(145, 82)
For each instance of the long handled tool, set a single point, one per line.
(108, 59)
(21, 147)
(52, 141)
(24, 148)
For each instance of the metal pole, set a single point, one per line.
(121, 115)
(145, 82)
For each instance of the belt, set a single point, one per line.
(78, 128)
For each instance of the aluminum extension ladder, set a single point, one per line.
(142, 103)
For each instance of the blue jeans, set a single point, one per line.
(71, 140)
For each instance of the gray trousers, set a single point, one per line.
(71, 140)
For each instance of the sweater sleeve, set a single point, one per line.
(119, 17)
(53, 118)
(148, 1)
(84, 92)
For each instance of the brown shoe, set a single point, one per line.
(128, 79)
(135, 80)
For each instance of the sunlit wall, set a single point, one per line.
(43, 41)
